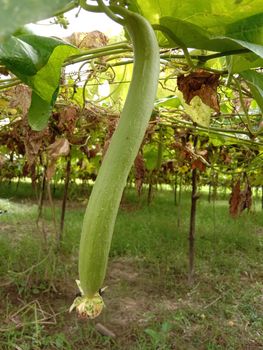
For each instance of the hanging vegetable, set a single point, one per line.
(104, 201)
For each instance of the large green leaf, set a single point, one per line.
(220, 25)
(16, 13)
(37, 61)
(46, 80)
(254, 78)
(26, 54)
(19, 57)
(257, 49)
(240, 63)
(212, 16)
(43, 45)
(249, 29)
(194, 36)
(39, 112)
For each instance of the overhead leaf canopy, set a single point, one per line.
(232, 29)
(211, 25)
(14, 14)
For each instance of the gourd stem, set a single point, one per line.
(102, 8)
(110, 13)
(90, 8)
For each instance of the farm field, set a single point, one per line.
(149, 301)
(131, 175)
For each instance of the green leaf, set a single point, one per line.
(150, 155)
(19, 57)
(46, 81)
(249, 29)
(244, 62)
(257, 95)
(199, 112)
(119, 92)
(254, 78)
(255, 83)
(37, 61)
(16, 13)
(170, 101)
(194, 36)
(215, 17)
(39, 112)
(257, 49)
(220, 25)
(26, 55)
(43, 45)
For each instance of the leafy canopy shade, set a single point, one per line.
(212, 25)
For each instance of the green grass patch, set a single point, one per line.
(150, 304)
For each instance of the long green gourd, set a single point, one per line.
(104, 201)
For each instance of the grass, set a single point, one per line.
(150, 304)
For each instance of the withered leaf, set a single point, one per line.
(112, 125)
(139, 169)
(89, 40)
(20, 98)
(198, 164)
(57, 149)
(168, 167)
(234, 200)
(68, 118)
(4, 71)
(2, 160)
(246, 194)
(200, 83)
(33, 141)
(240, 199)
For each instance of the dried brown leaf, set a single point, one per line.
(139, 169)
(198, 164)
(20, 98)
(4, 71)
(246, 198)
(67, 119)
(34, 141)
(57, 149)
(202, 84)
(240, 199)
(89, 40)
(112, 125)
(235, 200)
(2, 160)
